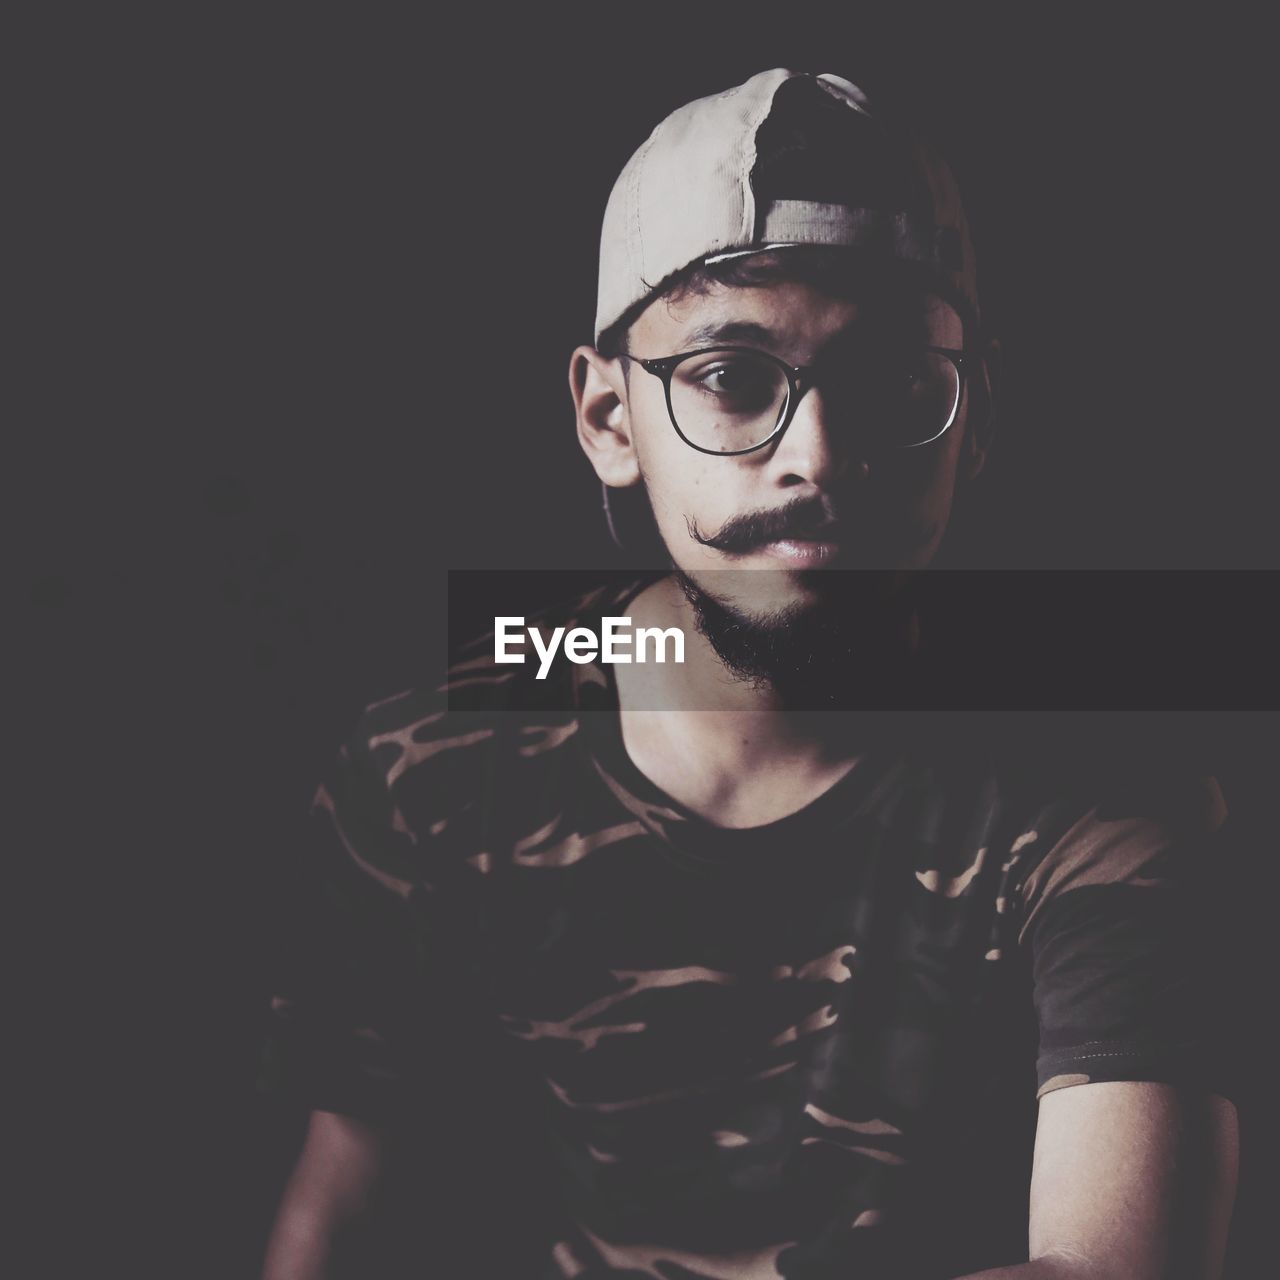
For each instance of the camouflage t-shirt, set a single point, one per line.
(810, 1049)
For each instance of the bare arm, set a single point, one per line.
(331, 1186)
(1131, 1181)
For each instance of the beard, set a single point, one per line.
(851, 643)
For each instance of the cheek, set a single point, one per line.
(914, 500)
(681, 482)
(923, 478)
(914, 484)
(681, 490)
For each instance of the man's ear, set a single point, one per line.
(599, 393)
(983, 398)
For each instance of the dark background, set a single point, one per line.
(298, 296)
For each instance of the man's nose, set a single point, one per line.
(819, 445)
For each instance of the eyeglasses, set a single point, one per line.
(734, 400)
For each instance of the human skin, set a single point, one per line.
(1132, 1180)
(899, 504)
(892, 508)
(896, 508)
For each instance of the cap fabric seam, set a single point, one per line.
(638, 245)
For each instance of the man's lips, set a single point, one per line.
(803, 551)
(833, 543)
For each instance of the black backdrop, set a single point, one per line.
(303, 290)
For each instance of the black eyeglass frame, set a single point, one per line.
(799, 380)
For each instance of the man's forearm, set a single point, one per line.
(1045, 1269)
(300, 1248)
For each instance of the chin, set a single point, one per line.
(764, 594)
(770, 591)
(806, 634)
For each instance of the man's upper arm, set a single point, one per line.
(1121, 906)
(1121, 911)
(1134, 1179)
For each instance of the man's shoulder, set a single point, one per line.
(481, 726)
(1122, 809)
(1082, 798)
(1117, 768)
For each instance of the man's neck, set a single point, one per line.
(724, 747)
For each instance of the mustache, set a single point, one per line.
(807, 518)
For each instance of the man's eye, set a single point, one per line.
(721, 377)
(899, 377)
(734, 378)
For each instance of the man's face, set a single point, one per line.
(821, 496)
(757, 538)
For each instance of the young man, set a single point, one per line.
(802, 989)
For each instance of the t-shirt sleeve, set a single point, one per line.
(347, 981)
(1119, 914)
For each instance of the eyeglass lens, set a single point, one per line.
(727, 401)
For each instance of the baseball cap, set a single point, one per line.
(787, 158)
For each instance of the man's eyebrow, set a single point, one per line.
(751, 333)
(730, 331)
